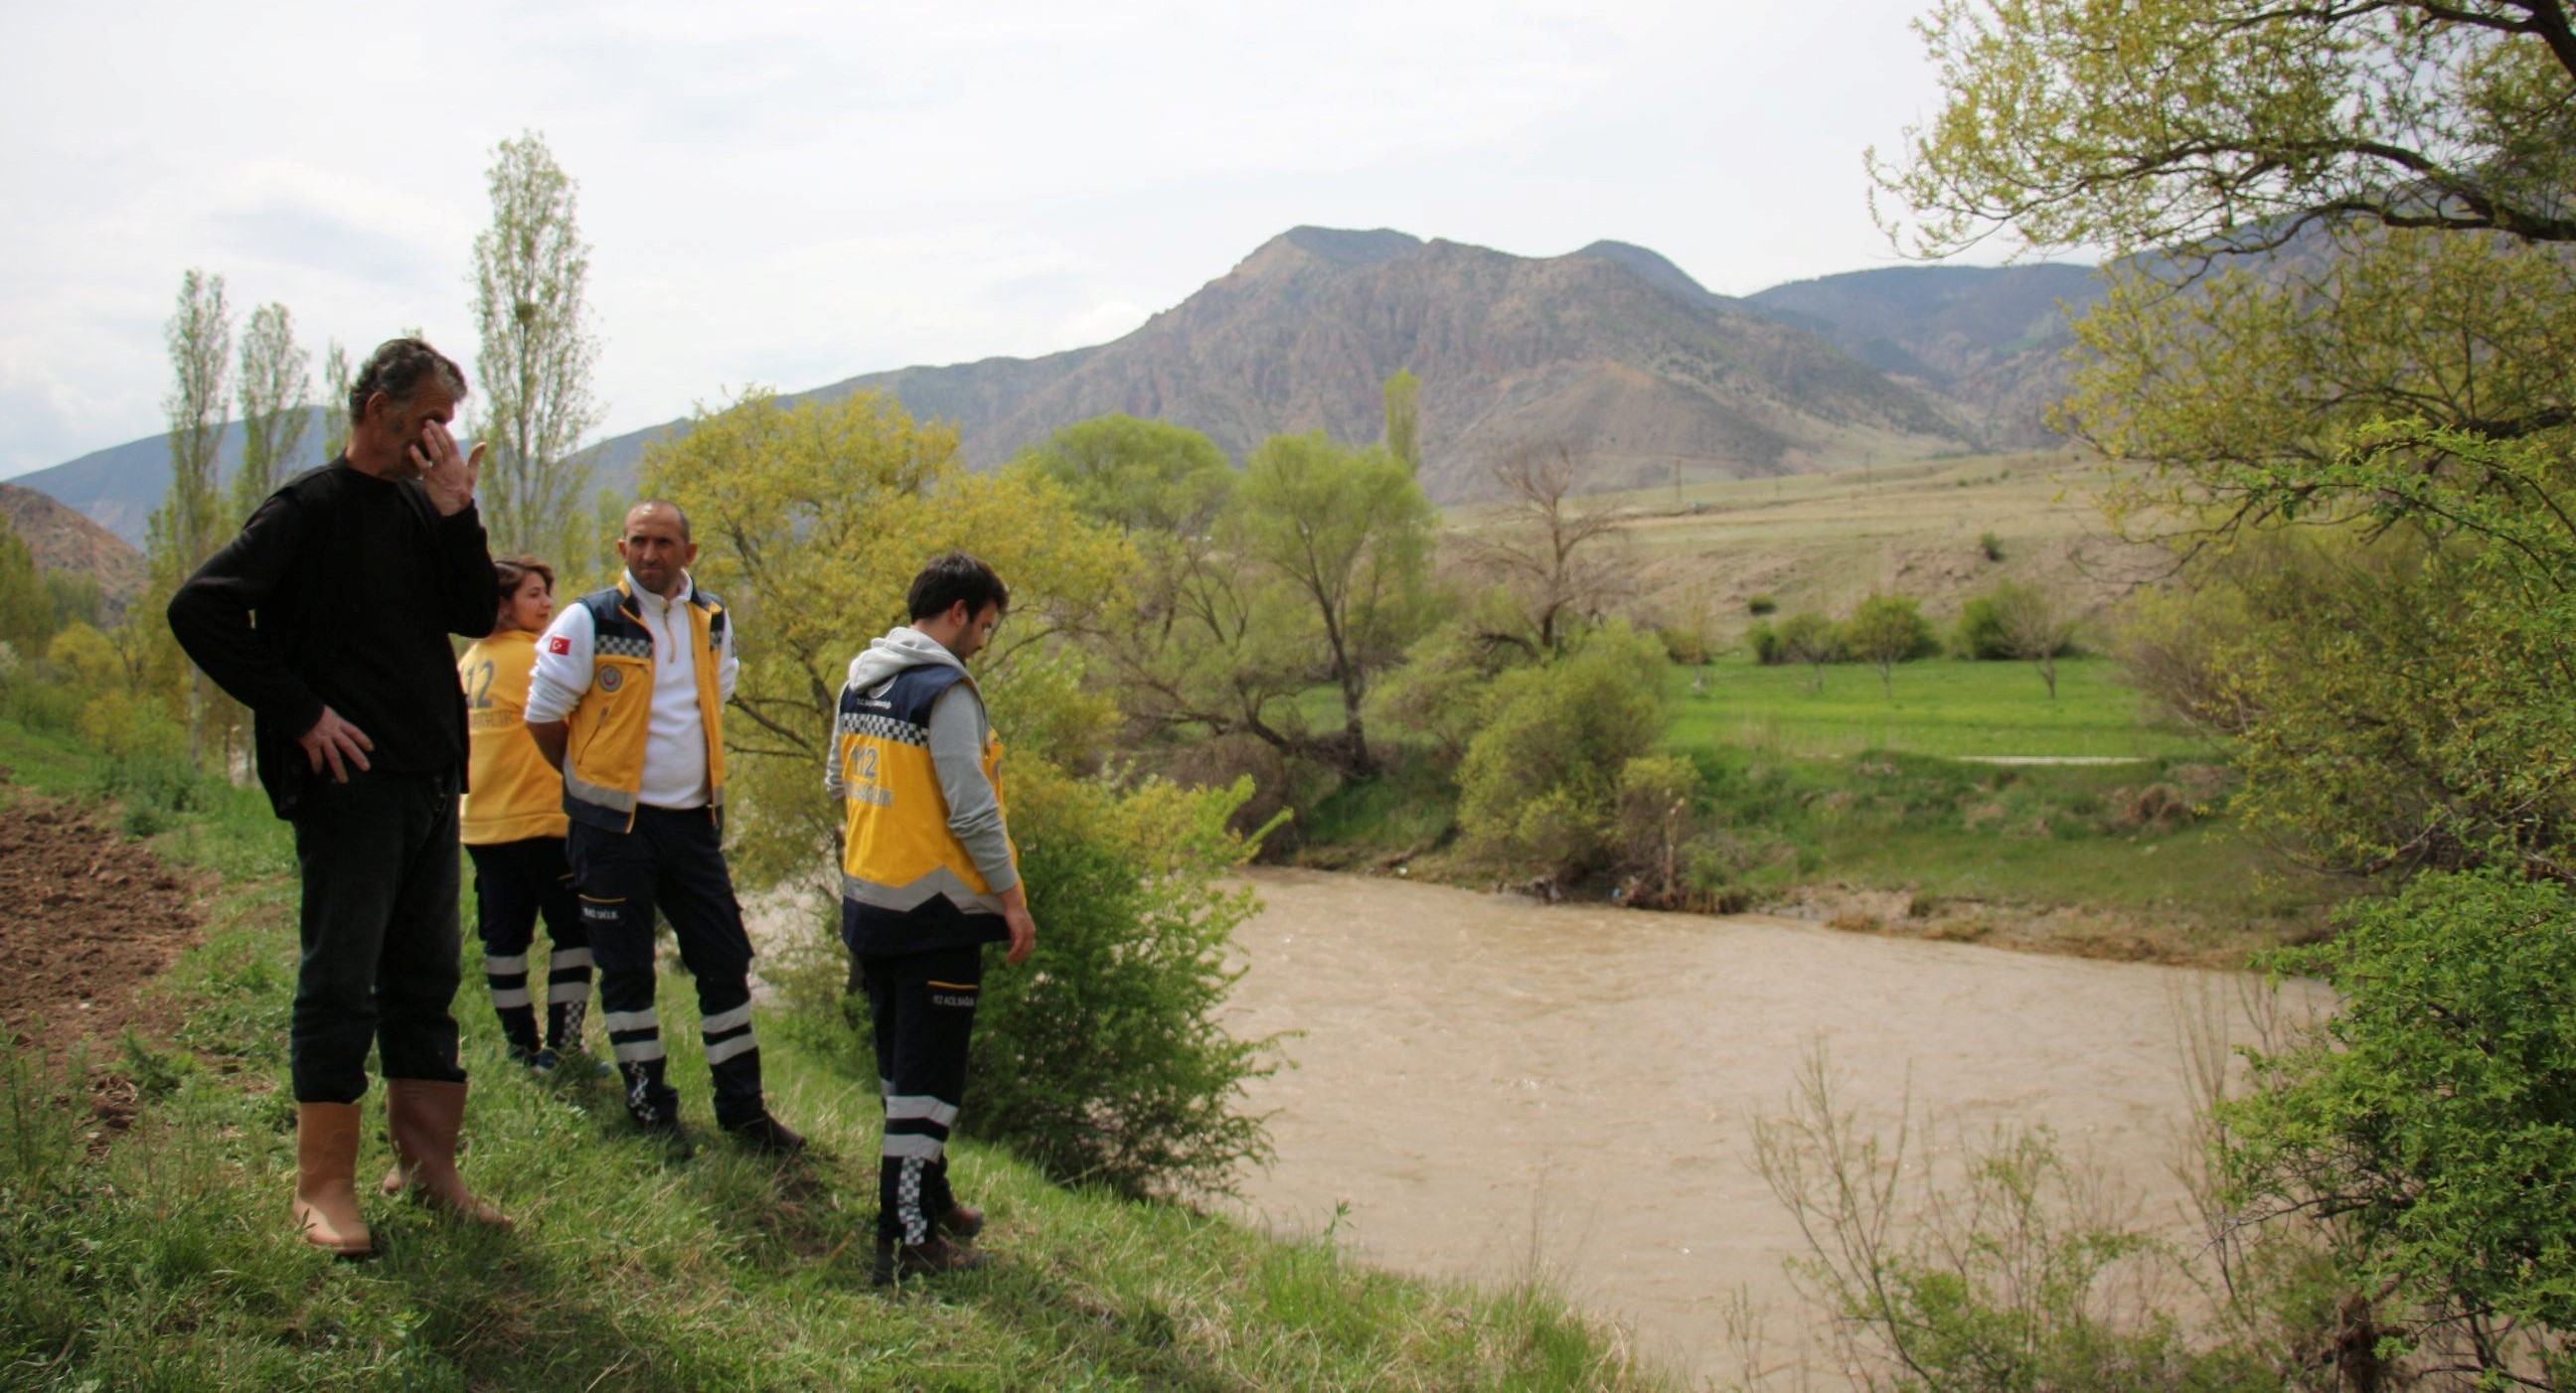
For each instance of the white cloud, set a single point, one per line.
(791, 193)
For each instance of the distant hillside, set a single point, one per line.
(118, 487)
(63, 541)
(1612, 347)
(1990, 338)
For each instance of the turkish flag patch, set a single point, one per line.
(559, 644)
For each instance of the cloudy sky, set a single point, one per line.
(791, 194)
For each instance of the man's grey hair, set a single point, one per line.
(397, 368)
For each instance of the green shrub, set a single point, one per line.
(1762, 640)
(1979, 634)
(1684, 646)
(1537, 784)
(1761, 605)
(1103, 1058)
(2434, 1116)
(1991, 546)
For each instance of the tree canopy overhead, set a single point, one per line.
(2240, 124)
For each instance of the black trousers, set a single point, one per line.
(922, 1006)
(377, 857)
(515, 883)
(673, 860)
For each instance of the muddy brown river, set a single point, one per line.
(1487, 1083)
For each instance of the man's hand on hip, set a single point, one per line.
(337, 743)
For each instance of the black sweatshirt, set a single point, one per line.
(341, 591)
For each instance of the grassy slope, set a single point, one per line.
(1824, 541)
(167, 1263)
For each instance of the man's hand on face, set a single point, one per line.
(332, 741)
(449, 476)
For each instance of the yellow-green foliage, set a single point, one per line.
(1537, 787)
(812, 521)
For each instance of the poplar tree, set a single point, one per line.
(182, 532)
(337, 376)
(1404, 418)
(276, 388)
(530, 271)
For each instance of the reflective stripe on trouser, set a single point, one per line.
(514, 884)
(922, 1009)
(669, 861)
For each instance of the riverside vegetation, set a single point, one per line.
(155, 1261)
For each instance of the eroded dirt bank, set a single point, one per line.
(1481, 1079)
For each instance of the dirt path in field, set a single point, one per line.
(1486, 1082)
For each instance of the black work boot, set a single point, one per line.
(762, 1132)
(653, 1104)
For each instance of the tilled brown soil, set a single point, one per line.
(87, 916)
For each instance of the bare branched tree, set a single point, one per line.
(1562, 563)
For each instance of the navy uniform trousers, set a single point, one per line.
(922, 1006)
(671, 860)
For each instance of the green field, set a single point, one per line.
(163, 1259)
(1940, 707)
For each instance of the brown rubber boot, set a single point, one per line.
(899, 1260)
(960, 1224)
(423, 1118)
(326, 1179)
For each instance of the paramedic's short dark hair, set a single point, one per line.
(955, 577)
(396, 369)
(665, 505)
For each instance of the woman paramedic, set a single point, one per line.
(513, 827)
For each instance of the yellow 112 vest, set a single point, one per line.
(896, 850)
(604, 735)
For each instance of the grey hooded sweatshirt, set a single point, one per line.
(958, 730)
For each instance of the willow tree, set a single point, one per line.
(2342, 293)
(811, 521)
(531, 270)
(1348, 532)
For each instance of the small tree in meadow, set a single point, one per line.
(1808, 637)
(1887, 630)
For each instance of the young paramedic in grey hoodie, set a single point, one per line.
(928, 877)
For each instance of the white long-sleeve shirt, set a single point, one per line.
(675, 749)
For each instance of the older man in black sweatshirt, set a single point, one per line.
(328, 617)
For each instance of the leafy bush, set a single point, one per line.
(1811, 638)
(1103, 1058)
(1762, 640)
(1990, 546)
(2434, 1119)
(1682, 645)
(1979, 634)
(1761, 605)
(1537, 784)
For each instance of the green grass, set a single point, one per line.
(166, 1262)
(2044, 836)
(1939, 707)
